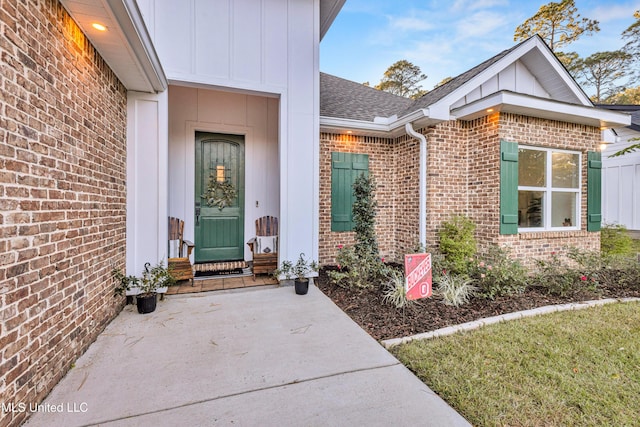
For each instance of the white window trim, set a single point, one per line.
(549, 190)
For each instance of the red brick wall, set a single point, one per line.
(406, 198)
(560, 135)
(463, 176)
(381, 166)
(62, 197)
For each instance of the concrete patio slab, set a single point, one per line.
(248, 357)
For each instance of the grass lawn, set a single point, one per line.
(576, 368)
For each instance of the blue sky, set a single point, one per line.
(447, 37)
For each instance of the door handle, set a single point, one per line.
(197, 213)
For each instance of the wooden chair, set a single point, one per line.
(265, 245)
(178, 261)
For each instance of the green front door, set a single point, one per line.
(219, 197)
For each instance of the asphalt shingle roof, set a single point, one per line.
(345, 99)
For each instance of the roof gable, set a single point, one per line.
(529, 68)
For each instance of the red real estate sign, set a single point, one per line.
(417, 269)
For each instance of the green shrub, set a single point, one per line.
(364, 216)
(455, 289)
(610, 269)
(360, 266)
(498, 274)
(357, 270)
(560, 279)
(554, 275)
(614, 240)
(457, 243)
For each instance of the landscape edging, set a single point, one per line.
(469, 326)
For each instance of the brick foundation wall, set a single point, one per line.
(62, 197)
(463, 174)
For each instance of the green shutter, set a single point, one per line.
(508, 187)
(345, 168)
(594, 190)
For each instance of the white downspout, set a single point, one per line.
(423, 183)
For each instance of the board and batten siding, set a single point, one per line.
(266, 48)
(254, 117)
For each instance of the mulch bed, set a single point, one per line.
(384, 321)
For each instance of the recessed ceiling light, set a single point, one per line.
(99, 27)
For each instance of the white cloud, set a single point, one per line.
(461, 5)
(612, 13)
(410, 23)
(480, 24)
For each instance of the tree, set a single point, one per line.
(628, 96)
(602, 69)
(443, 81)
(557, 23)
(571, 61)
(402, 79)
(632, 34)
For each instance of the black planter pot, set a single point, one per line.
(302, 286)
(146, 303)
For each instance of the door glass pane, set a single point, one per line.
(565, 170)
(530, 209)
(563, 209)
(531, 167)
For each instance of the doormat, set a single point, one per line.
(219, 268)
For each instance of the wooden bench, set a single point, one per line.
(178, 263)
(264, 262)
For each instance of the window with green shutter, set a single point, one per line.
(540, 189)
(345, 168)
(594, 190)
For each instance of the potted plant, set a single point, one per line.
(151, 280)
(301, 271)
(284, 273)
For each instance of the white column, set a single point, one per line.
(147, 179)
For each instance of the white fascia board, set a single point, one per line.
(543, 108)
(390, 127)
(351, 124)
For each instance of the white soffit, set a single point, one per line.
(125, 46)
(509, 102)
(328, 11)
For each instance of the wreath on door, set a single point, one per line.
(219, 194)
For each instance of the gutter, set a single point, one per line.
(423, 183)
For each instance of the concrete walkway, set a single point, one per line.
(263, 357)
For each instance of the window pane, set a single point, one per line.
(563, 209)
(565, 169)
(531, 167)
(530, 208)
